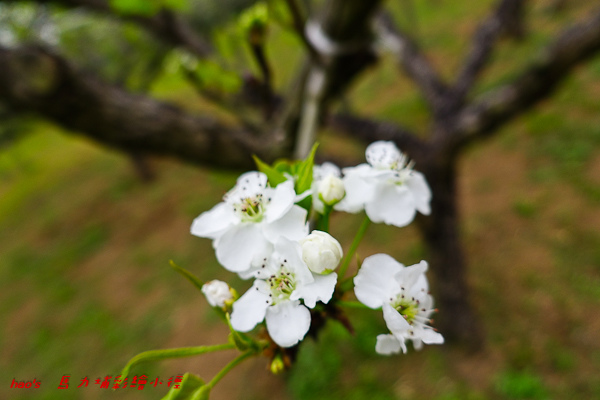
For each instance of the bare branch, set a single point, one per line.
(414, 63)
(369, 130)
(300, 25)
(37, 81)
(166, 25)
(572, 47)
(507, 18)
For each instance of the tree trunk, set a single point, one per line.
(456, 319)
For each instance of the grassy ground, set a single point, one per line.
(84, 251)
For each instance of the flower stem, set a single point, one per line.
(229, 367)
(353, 247)
(323, 224)
(155, 355)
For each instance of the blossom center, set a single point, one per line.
(250, 209)
(281, 285)
(409, 309)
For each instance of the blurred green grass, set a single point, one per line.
(84, 250)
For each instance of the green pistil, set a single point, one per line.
(409, 309)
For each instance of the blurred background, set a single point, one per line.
(85, 242)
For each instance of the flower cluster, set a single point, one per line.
(264, 230)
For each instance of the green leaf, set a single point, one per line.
(137, 7)
(283, 166)
(189, 385)
(156, 355)
(175, 4)
(145, 7)
(187, 274)
(303, 174)
(275, 177)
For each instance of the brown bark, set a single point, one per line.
(37, 81)
(456, 320)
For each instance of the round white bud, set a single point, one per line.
(321, 252)
(217, 293)
(331, 190)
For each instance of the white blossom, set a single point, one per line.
(282, 294)
(327, 187)
(387, 187)
(321, 252)
(249, 221)
(402, 292)
(217, 293)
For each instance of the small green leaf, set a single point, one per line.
(187, 274)
(304, 171)
(145, 7)
(275, 177)
(137, 7)
(283, 166)
(303, 174)
(189, 385)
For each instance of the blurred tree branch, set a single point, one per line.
(413, 62)
(506, 19)
(166, 25)
(35, 80)
(538, 81)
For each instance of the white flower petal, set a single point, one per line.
(388, 344)
(320, 290)
(290, 253)
(374, 283)
(259, 266)
(413, 277)
(383, 154)
(394, 320)
(325, 169)
(212, 223)
(250, 309)
(417, 344)
(429, 336)
(288, 323)
(238, 247)
(291, 225)
(282, 199)
(391, 204)
(421, 191)
(251, 183)
(358, 191)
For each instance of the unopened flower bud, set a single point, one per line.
(218, 293)
(321, 252)
(277, 365)
(331, 190)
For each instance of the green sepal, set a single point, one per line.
(156, 355)
(190, 384)
(274, 176)
(187, 275)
